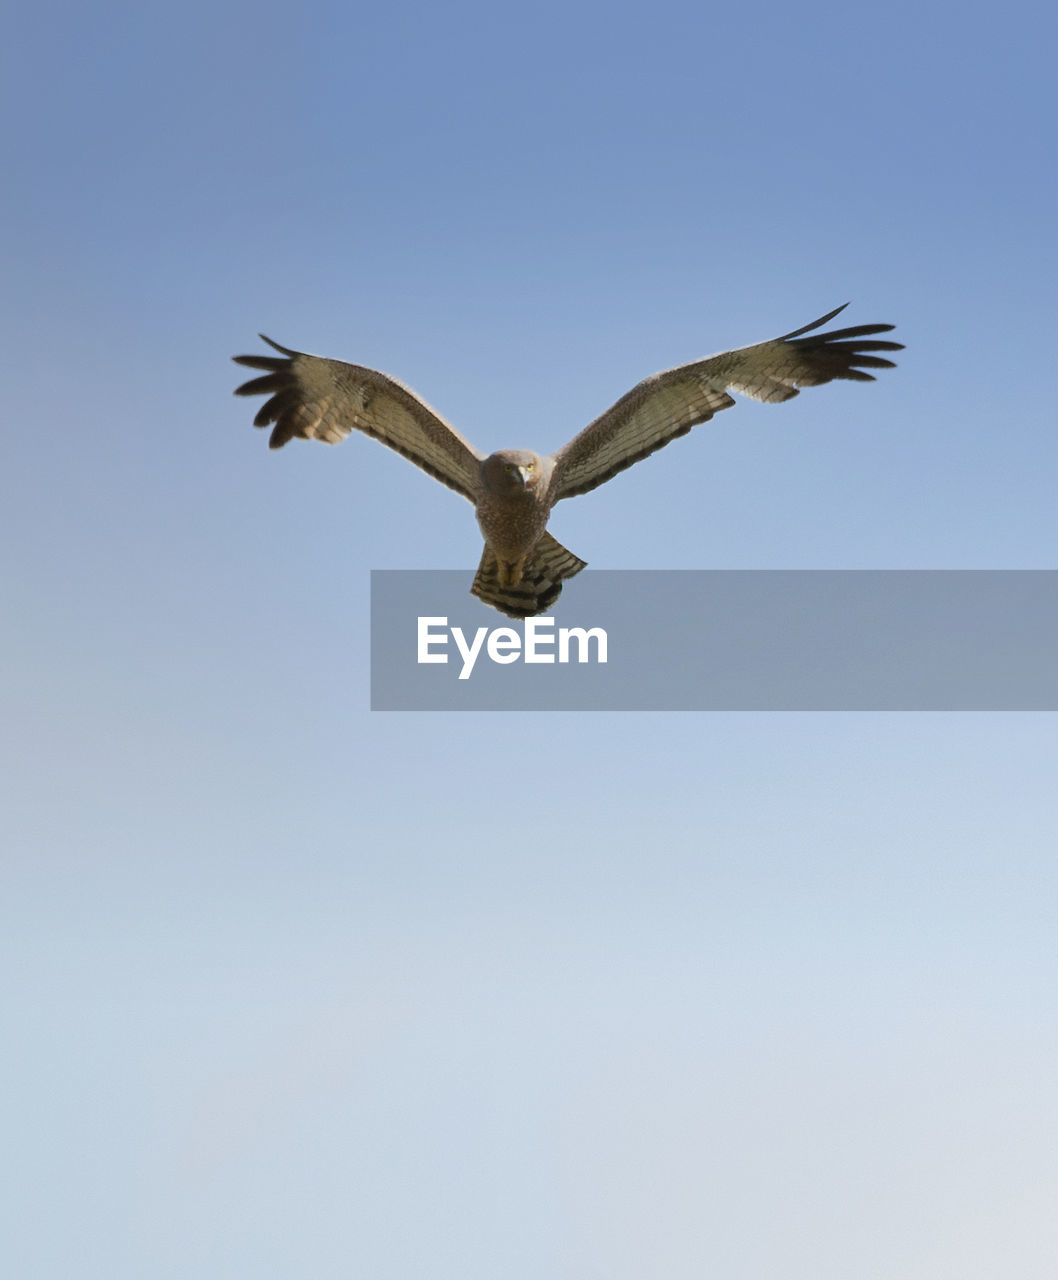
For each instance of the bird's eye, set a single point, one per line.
(508, 467)
(529, 466)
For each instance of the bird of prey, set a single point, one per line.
(522, 566)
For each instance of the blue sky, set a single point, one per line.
(293, 989)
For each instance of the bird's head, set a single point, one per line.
(512, 471)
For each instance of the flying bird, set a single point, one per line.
(522, 566)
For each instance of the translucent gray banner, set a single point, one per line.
(735, 640)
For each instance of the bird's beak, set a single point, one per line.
(523, 475)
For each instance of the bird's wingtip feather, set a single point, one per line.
(807, 328)
(276, 346)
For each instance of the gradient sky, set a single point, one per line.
(296, 990)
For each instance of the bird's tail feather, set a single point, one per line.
(547, 567)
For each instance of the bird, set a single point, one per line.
(523, 566)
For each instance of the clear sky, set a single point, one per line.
(296, 990)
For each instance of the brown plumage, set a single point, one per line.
(522, 566)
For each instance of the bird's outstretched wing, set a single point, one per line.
(317, 399)
(667, 405)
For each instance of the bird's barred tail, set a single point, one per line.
(541, 584)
